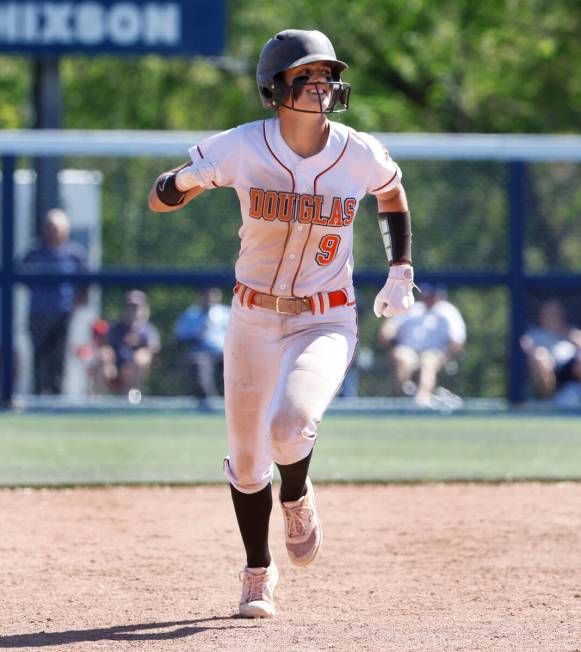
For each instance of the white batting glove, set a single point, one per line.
(396, 296)
(201, 174)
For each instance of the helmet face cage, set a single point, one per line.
(281, 94)
(340, 92)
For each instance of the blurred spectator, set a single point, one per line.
(362, 360)
(350, 385)
(52, 306)
(202, 330)
(422, 342)
(568, 391)
(126, 351)
(551, 349)
(90, 353)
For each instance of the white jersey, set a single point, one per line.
(297, 213)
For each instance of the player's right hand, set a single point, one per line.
(396, 296)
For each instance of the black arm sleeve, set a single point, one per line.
(396, 231)
(167, 192)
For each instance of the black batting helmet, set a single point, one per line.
(292, 48)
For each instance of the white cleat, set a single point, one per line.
(303, 532)
(258, 584)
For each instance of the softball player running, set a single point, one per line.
(293, 328)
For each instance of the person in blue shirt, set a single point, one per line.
(202, 330)
(52, 306)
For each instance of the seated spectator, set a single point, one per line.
(89, 353)
(568, 390)
(362, 360)
(202, 330)
(125, 353)
(422, 342)
(551, 348)
(52, 306)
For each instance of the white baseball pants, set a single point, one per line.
(280, 374)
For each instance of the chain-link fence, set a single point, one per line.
(501, 233)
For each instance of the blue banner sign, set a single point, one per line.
(174, 27)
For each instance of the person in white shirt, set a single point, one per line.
(551, 346)
(421, 342)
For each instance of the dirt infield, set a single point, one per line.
(427, 567)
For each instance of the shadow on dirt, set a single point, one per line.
(122, 633)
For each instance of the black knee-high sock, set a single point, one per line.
(293, 478)
(253, 516)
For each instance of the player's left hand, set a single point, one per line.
(396, 296)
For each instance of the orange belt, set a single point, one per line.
(290, 305)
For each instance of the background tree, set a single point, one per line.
(506, 66)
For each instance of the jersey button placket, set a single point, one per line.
(295, 243)
(302, 186)
(301, 231)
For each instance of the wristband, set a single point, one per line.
(396, 232)
(167, 192)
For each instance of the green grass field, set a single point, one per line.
(43, 450)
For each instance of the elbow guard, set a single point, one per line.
(396, 232)
(167, 191)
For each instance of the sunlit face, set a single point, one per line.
(312, 97)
